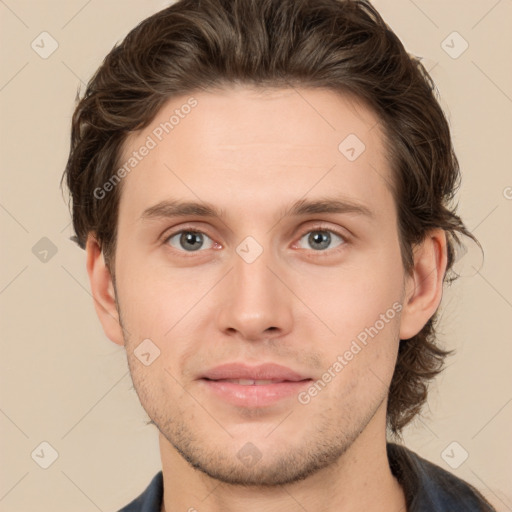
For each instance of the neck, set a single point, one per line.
(360, 479)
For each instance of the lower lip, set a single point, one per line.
(254, 395)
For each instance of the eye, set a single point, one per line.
(190, 241)
(321, 239)
(193, 241)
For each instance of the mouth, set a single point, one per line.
(251, 382)
(253, 387)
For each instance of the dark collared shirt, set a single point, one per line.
(427, 487)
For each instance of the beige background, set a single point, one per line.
(63, 382)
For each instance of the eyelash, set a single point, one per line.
(318, 253)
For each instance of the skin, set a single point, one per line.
(252, 153)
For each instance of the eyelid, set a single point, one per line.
(168, 234)
(321, 226)
(311, 226)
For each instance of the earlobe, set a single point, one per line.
(424, 286)
(103, 292)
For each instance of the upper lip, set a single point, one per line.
(267, 371)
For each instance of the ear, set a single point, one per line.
(103, 292)
(424, 286)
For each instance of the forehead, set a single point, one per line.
(246, 146)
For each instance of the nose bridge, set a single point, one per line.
(253, 282)
(256, 305)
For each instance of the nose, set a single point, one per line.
(255, 303)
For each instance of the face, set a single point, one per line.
(293, 261)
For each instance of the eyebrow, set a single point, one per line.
(176, 208)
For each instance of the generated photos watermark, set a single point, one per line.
(361, 341)
(157, 135)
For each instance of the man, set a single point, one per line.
(263, 191)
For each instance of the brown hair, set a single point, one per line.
(342, 45)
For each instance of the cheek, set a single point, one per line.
(360, 368)
(350, 299)
(153, 299)
(362, 307)
(158, 388)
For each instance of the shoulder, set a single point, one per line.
(429, 487)
(150, 500)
